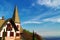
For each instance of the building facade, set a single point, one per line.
(11, 29)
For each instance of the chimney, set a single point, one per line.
(2, 17)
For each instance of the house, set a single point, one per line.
(11, 29)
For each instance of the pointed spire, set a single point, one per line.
(15, 15)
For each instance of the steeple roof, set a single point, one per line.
(15, 15)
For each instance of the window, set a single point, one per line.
(9, 28)
(17, 34)
(17, 26)
(11, 33)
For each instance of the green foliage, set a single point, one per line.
(35, 38)
(0, 38)
(27, 31)
(30, 33)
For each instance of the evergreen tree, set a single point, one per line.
(4, 35)
(33, 37)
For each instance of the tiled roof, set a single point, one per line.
(1, 22)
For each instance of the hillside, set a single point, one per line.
(29, 36)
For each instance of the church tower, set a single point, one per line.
(16, 19)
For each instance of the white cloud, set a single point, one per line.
(50, 33)
(47, 33)
(52, 20)
(30, 22)
(51, 3)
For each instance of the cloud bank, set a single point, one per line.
(50, 33)
(51, 3)
(31, 22)
(57, 20)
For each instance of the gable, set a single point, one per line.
(12, 23)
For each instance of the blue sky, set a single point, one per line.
(42, 16)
